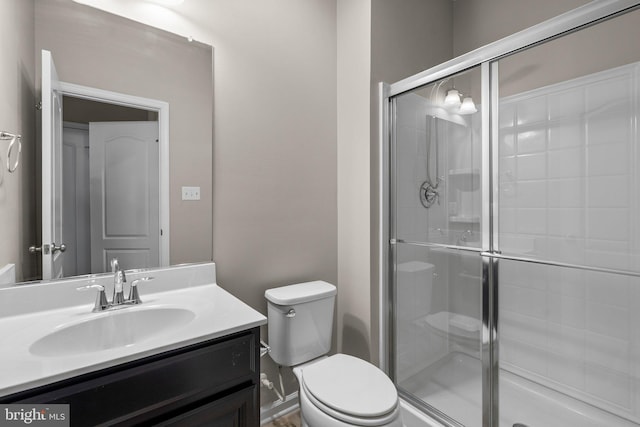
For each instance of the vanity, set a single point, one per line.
(188, 355)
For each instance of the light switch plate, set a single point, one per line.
(190, 193)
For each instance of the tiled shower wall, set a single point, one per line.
(569, 192)
(569, 189)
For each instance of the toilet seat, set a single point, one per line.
(351, 390)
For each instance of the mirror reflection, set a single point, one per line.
(110, 186)
(120, 193)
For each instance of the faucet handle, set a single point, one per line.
(101, 303)
(134, 296)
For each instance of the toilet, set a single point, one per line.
(335, 391)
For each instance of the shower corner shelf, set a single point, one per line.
(463, 172)
(464, 219)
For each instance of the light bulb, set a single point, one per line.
(452, 99)
(468, 106)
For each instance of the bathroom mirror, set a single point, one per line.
(94, 49)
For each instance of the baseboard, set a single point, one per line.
(278, 409)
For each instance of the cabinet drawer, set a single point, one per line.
(234, 410)
(131, 395)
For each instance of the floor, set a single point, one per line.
(454, 388)
(289, 420)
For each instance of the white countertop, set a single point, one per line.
(217, 313)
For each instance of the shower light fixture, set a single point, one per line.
(468, 106)
(452, 99)
(452, 102)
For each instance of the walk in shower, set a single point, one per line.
(511, 228)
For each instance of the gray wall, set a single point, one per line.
(96, 49)
(480, 22)
(17, 115)
(599, 47)
(353, 70)
(275, 161)
(275, 155)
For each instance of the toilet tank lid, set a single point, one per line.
(300, 292)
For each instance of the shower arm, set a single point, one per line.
(434, 91)
(434, 129)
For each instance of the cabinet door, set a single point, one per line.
(235, 410)
(159, 387)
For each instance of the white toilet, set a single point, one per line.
(335, 391)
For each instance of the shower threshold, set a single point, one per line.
(453, 386)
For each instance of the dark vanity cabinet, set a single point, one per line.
(213, 383)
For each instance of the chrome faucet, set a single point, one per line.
(119, 279)
(118, 301)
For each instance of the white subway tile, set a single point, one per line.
(609, 128)
(532, 141)
(568, 103)
(531, 166)
(532, 194)
(567, 281)
(519, 244)
(611, 289)
(566, 193)
(605, 351)
(608, 93)
(565, 135)
(566, 341)
(608, 159)
(567, 311)
(526, 329)
(608, 320)
(608, 223)
(507, 146)
(506, 115)
(531, 110)
(507, 219)
(609, 259)
(566, 222)
(566, 163)
(526, 301)
(566, 249)
(608, 191)
(532, 221)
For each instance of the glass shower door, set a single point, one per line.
(436, 245)
(569, 190)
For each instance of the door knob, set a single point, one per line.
(46, 248)
(60, 248)
(35, 249)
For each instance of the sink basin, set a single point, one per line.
(120, 328)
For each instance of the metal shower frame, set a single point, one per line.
(486, 57)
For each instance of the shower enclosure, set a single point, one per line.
(511, 228)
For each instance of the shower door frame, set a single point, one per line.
(486, 57)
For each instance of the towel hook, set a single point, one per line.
(14, 138)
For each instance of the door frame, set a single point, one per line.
(162, 108)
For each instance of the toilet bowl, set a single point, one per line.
(335, 391)
(342, 390)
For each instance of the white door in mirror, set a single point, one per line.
(124, 194)
(52, 253)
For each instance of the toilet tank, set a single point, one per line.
(300, 321)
